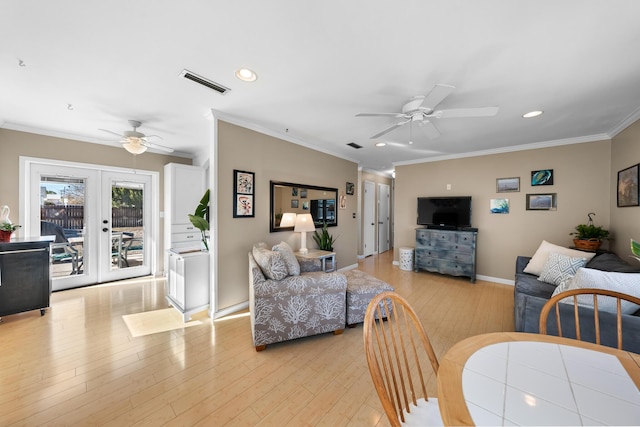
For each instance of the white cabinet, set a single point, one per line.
(188, 282)
(184, 186)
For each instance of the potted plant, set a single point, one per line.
(6, 230)
(588, 236)
(199, 218)
(324, 240)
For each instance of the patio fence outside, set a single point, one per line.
(71, 217)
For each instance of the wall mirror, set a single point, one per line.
(320, 202)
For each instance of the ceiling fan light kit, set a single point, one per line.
(137, 142)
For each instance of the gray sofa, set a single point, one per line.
(530, 294)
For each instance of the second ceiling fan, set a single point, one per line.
(422, 110)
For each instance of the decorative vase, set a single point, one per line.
(587, 245)
(5, 236)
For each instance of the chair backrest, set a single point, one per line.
(587, 299)
(397, 349)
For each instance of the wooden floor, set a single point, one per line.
(80, 365)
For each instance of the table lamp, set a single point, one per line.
(288, 219)
(304, 223)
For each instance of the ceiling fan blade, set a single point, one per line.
(390, 128)
(153, 136)
(379, 115)
(467, 112)
(111, 132)
(437, 95)
(157, 146)
(429, 129)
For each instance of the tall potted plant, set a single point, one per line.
(324, 240)
(200, 218)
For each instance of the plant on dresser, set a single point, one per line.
(450, 252)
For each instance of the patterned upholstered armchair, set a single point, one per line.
(293, 306)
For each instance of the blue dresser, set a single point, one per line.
(450, 252)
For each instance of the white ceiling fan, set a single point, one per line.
(422, 110)
(137, 142)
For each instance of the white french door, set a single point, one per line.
(101, 219)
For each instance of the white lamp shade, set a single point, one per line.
(304, 222)
(288, 219)
(133, 145)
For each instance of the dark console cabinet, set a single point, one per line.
(25, 282)
(447, 251)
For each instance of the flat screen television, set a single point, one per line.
(444, 212)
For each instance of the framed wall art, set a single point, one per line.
(243, 194)
(294, 203)
(542, 177)
(507, 185)
(541, 202)
(350, 188)
(628, 186)
(499, 206)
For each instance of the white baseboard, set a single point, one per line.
(349, 267)
(496, 280)
(229, 310)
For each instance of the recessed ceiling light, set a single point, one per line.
(246, 75)
(531, 114)
(380, 144)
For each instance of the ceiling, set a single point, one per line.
(69, 68)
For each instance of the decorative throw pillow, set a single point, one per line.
(289, 258)
(539, 259)
(271, 263)
(559, 268)
(626, 283)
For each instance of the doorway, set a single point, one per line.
(384, 215)
(101, 218)
(368, 218)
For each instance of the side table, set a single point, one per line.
(323, 256)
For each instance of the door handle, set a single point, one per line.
(105, 229)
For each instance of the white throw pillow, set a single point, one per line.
(559, 268)
(541, 256)
(626, 283)
(289, 258)
(271, 263)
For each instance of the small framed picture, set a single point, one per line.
(628, 186)
(350, 188)
(303, 194)
(294, 191)
(294, 203)
(305, 206)
(507, 185)
(542, 177)
(243, 194)
(499, 206)
(541, 202)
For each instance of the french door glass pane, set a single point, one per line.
(127, 224)
(62, 201)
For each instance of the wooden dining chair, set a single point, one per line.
(581, 301)
(398, 353)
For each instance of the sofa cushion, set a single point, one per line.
(611, 262)
(559, 268)
(626, 283)
(542, 254)
(289, 258)
(316, 283)
(271, 263)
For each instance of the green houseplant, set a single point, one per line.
(6, 229)
(200, 218)
(324, 240)
(588, 236)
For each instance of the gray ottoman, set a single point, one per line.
(361, 288)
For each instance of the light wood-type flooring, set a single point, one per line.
(79, 364)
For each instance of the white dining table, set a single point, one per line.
(515, 378)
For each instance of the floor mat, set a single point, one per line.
(152, 322)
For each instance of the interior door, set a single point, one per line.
(368, 218)
(383, 217)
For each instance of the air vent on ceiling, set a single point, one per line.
(204, 82)
(354, 145)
